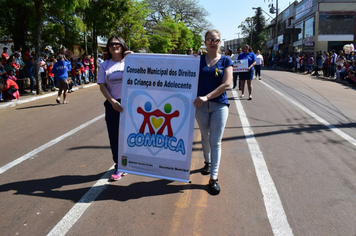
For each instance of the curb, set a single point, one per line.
(26, 100)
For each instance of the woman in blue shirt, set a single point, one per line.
(212, 106)
(247, 76)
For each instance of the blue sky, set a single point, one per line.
(227, 15)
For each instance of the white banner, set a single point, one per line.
(156, 127)
(240, 65)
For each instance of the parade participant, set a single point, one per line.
(247, 76)
(60, 69)
(235, 75)
(259, 64)
(212, 106)
(110, 81)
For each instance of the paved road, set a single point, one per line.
(288, 168)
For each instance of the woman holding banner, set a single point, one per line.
(247, 76)
(212, 106)
(110, 81)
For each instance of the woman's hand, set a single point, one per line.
(117, 106)
(200, 100)
(128, 52)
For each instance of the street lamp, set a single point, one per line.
(256, 8)
(272, 10)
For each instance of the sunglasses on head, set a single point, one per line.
(114, 44)
(209, 41)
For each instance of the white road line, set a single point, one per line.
(315, 116)
(275, 211)
(80, 207)
(47, 145)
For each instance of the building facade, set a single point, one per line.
(232, 44)
(313, 25)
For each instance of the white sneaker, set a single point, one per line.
(33, 92)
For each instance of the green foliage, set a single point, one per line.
(131, 26)
(165, 24)
(254, 31)
(165, 36)
(169, 36)
(187, 11)
(104, 15)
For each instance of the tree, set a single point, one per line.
(164, 36)
(14, 18)
(131, 25)
(254, 30)
(169, 36)
(102, 17)
(187, 11)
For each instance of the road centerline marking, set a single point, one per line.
(315, 116)
(47, 145)
(80, 207)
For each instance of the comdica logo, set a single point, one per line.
(159, 125)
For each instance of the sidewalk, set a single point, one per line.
(320, 76)
(29, 97)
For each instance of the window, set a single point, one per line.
(298, 31)
(336, 24)
(309, 28)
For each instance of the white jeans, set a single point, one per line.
(211, 118)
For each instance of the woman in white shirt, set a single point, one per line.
(110, 82)
(259, 64)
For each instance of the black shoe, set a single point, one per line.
(214, 186)
(206, 169)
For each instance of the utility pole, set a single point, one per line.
(277, 22)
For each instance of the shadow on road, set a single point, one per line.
(57, 187)
(39, 106)
(297, 129)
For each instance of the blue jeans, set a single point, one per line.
(332, 70)
(91, 76)
(211, 118)
(51, 82)
(79, 79)
(32, 82)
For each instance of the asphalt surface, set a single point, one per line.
(288, 168)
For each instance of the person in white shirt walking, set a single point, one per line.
(259, 64)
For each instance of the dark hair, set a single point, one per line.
(212, 31)
(122, 42)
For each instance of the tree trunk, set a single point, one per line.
(37, 43)
(85, 42)
(95, 51)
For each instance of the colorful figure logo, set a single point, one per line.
(157, 120)
(156, 125)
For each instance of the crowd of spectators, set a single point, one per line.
(337, 66)
(19, 69)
